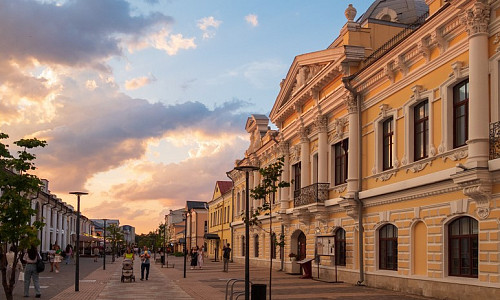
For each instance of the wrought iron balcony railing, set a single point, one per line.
(495, 140)
(314, 193)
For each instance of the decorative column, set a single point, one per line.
(304, 158)
(285, 176)
(59, 229)
(322, 123)
(250, 186)
(256, 182)
(476, 21)
(352, 157)
(48, 218)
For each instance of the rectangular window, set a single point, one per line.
(421, 130)
(387, 143)
(296, 171)
(460, 113)
(340, 150)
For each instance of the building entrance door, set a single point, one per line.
(301, 246)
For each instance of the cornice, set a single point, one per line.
(436, 32)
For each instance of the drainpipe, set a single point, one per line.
(232, 212)
(348, 86)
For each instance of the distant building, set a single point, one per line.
(220, 218)
(197, 223)
(175, 229)
(128, 234)
(99, 225)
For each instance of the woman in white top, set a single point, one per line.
(10, 263)
(201, 253)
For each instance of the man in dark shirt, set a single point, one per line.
(226, 254)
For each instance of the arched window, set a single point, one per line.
(463, 247)
(340, 247)
(243, 248)
(273, 245)
(256, 245)
(388, 247)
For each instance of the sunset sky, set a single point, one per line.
(143, 103)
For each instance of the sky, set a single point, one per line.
(143, 103)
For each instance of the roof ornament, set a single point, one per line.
(350, 13)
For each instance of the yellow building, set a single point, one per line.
(390, 137)
(219, 219)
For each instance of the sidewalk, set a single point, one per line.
(210, 282)
(106, 284)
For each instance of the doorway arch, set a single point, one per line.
(298, 244)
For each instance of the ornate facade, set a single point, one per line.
(390, 140)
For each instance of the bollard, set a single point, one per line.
(258, 291)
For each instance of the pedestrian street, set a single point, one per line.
(207, 283)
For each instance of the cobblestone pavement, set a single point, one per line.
(208, 283)
(52, 283)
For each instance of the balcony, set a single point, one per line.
(495, 140)
(314, 193)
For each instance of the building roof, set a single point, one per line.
(196, 204)
(224, 186)
(397, 11)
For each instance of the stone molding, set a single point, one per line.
(476, 19)
(477, 185)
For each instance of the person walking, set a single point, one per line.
(57, 257)
(52, 254)
(226, 254)
(194, 257)
(128, 254)
(96, 253)
(201, 254)
(30, 271)
(10, 263)
(145, 263)
(69, 253)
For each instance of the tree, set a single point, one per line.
(271, 181)
(115, 236)
(17, 187)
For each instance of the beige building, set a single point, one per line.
(219, 219)
(197, 224)
(390, 140)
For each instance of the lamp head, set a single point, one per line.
(246, 168)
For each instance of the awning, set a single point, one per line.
(87, 239)
(211, 236)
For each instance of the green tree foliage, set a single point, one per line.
(17, 189)
(271, 182)
(115, 236)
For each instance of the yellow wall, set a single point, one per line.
(419, 247)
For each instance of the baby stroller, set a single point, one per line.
(128, 270)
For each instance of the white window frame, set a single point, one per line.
(377, 124)
(446, 90)
(419, 95)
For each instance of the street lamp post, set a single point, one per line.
(185, 249)
(247, 170)
(104, 246)
(77, 261)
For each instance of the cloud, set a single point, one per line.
(78, 33)
(252, 20)
(98, 135)
(139, 82)
(163, 40)
(191, 179)
(208, 25)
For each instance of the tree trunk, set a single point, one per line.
(8, 287)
